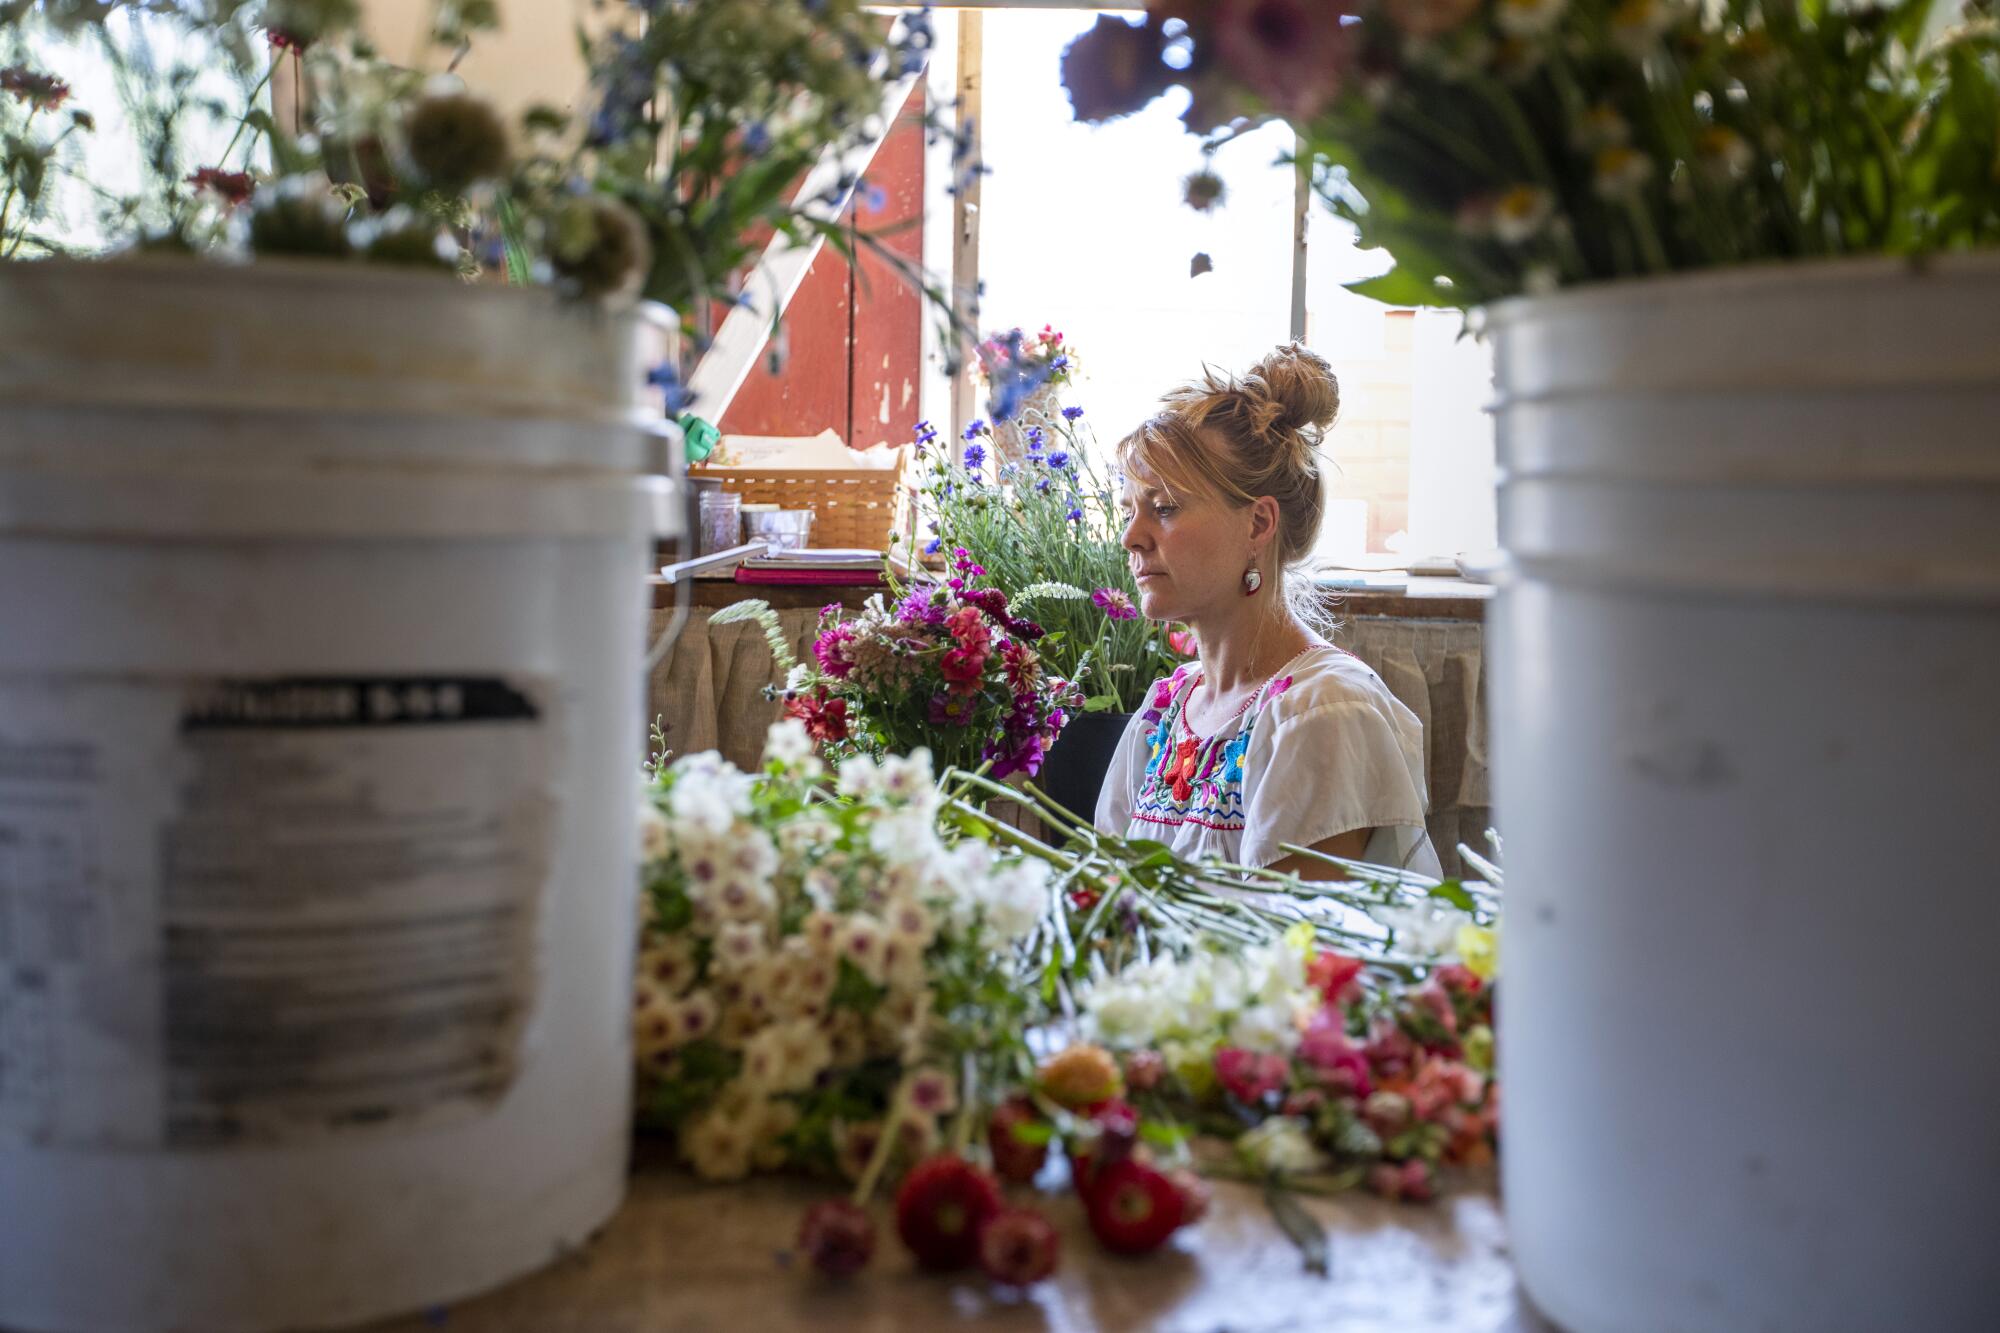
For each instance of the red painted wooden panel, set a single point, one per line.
(853, 345)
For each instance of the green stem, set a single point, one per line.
(878, 1160)
(14, 185)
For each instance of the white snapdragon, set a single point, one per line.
(1016, 897)
(905, 837)
(1420, 930)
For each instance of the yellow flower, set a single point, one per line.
(1081, 1076)
(1479, 950)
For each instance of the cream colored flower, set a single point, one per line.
(1622, 173)
(1637, 26)
(860, 942)
(787, 744)
(1520, 214)
(694, 1017)
(1528, 18)
(739, 945)
(718, 1145)
(910, 921)
(1601, 127)
(931, 1092)
(668, 964)
(1723, 154)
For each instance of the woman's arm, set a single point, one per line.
(1350, 845)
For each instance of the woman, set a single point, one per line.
(1273, 736)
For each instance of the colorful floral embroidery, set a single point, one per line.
(1192, 780)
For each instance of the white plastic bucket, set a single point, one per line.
(1746, 718)
(322, 595)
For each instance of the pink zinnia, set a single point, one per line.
(833, 649)
(1247, 1075)
(1114, 603)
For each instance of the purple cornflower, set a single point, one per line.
(1059, 459)
(975, 456)
(975, 430)
(933, 546)
(1072, 413)
(1075, 515)
(1034, 438)
(925, 433)
(1043, 486)
(1115, 604)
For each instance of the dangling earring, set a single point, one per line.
(1252, 580)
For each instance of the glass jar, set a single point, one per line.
(721, 521)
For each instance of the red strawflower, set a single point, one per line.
(825, 719)
(940, 1209)
(232, 187)
(837, 1237)
(1335, 976)
(1247, 1075)
(1082, 900)
(1134, 1208)
(1113, 1133)
(1015, 1158)
(1022, 666)
(1018, 1246)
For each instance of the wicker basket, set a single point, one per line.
(854, 507)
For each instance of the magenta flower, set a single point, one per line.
(833, 649)
(1115, 604)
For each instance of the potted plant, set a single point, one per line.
(1045, 530)
(1735, 260)
(326, 568)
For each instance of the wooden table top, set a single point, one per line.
(682, 1256)
(1420, 599)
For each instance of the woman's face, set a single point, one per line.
(1187, 552)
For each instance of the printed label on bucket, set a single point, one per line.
(264, 911)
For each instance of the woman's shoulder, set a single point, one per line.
(1325, 678)
(1160, 694)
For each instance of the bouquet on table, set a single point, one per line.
(1047, 531)
(945, 666)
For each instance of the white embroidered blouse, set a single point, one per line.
(1321, 749)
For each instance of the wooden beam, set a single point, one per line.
(965, 206)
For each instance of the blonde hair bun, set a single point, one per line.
(1296, 388)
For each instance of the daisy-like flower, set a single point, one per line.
(1722, 153)
(911, 922)
(739, 945)
(694, 1017)
(1528, 18)
(718, 1145)
(1601, 128)
(1114, 603)
(860, 942)
(1423, 20)
(931, 1092)
(668, 966)
(1637, 26)
(1520, 214)
(1622, 172)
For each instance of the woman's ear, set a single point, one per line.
(1263, 521)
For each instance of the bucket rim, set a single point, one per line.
(312, 276)
(1760, 278)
